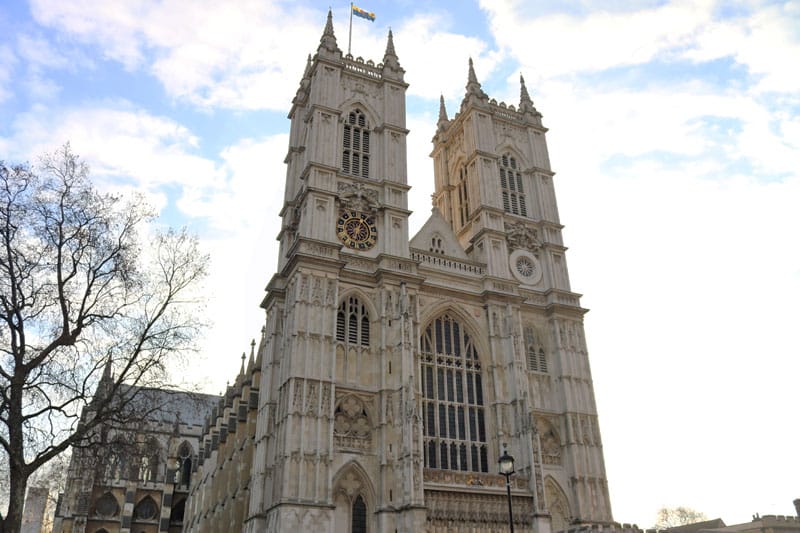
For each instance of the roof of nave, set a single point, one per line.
(165, 405)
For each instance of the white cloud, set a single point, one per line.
(563, 44)
(436, 60)
(247, 55)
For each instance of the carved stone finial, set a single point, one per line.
(443, 120)
(391, 65)
(327, 43)
(522, 237)
(474, 90)
(525, 102)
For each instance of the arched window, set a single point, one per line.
(352, 322)
(359, 520)
(511, 186)
(463, 197)
(355, 145)
(146, 509)
(454, 423)
(185, 464)
(537, 361)
(106, 506)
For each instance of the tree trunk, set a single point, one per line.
(16, 502)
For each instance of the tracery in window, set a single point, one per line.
(454, 425)
(184, 464)
(145, 509)
(511, 186)
(463, 197)
(106, 506)
(352, 322)
(355, 145)
(537, 360)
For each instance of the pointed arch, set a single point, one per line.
(106, 506)
(557, 505)
(185, 454)
(357, 143)
(535, 354)
(354, 500)
(353, 319)
(145, 510)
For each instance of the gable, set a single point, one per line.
(436, 236)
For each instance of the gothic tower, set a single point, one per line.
(394, 371)
(336, 451)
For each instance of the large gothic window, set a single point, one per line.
(463, 198)
(454, 423)
(355, 145)
(511, 186)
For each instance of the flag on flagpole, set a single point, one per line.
(357, 11)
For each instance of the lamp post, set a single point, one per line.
(507, 468)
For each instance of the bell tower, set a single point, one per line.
(336, 442)
(346, 164)
(494, 187)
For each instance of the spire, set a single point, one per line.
(391, 66)
(327, 43)
(525, 102)
(251, 363)
(443, 120)
(474, 91)
(390, 45)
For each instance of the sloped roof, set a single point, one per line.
(437, 227)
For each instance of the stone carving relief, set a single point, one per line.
(357, 197)
(479, 512)
(550, 441)
(522, 237)
(351, 427)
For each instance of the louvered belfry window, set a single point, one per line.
(511, 186)
(355, 145)
(454, 424)
(537, 360)
(352, 322)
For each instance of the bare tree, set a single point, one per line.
(81, 302)
(668, 517)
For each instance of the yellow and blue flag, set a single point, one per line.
(357, 11)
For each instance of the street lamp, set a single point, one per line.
(507, 468)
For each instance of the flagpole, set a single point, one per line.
(350, 33)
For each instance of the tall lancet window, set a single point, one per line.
(352, 323)
(355, 145)
(454, 425)
(511, 185)
(463, 198)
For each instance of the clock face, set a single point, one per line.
(356, 230)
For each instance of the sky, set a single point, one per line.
(674, 135)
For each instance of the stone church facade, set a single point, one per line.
(392, 371)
